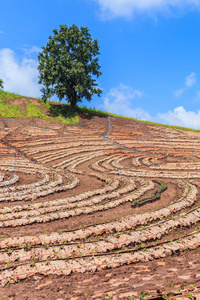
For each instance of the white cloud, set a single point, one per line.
(126, 8)
(180, 117)
(123, 93)
(19, 76)
(179, 92)
(190, 81)
(122, 99)
(28, 51)
(118, 101)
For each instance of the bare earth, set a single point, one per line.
(67, 228)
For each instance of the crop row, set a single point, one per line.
(111, 185)
(49, 157)
(64, 265)
(158, 174)
(37, 189)
(74, 144)
(43, 215)
(110, 243)
(187, 199)
(14, 180)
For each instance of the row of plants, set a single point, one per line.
(104, 244)
(153, 197)
(171, 174)
(63, 154)
(109, 187)
(42, 187)
(43, 215)
(125, 223)
(91, 263)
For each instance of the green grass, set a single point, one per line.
(10, 111)
(74, 120)
(171, 126)
(33, 111)
(5, 96)
(95, 112)
(63, 113)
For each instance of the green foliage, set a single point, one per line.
(142, 294)
(64, 113)
(154, 196)
(191, 286)
(10, 111)
(166, 296)
(190, 295)
(109, 296)
(94, 112)
(1, 83)
(68, 64)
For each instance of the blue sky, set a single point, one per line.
(150, 52)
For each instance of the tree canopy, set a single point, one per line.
(69, 64)
(1, 83)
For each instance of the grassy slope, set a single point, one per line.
(60, 114)
(45, 111)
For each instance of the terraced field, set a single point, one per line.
(94, 211)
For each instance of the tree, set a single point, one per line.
(68, 65)
(1, 83)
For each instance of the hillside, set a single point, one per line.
(17, 106)
(96, 206)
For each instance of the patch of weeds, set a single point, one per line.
(190, 295)
(6, 96)
(109, 296)
(63, 113)
(46, 245)
(33, 263)
(182, 285)
(33, 111)
(192, 286)
(165, 296)
(10, 111)
(143, 295)
(173, 284)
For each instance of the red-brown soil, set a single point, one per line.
(106, 161)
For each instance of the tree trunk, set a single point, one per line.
(74, 101)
